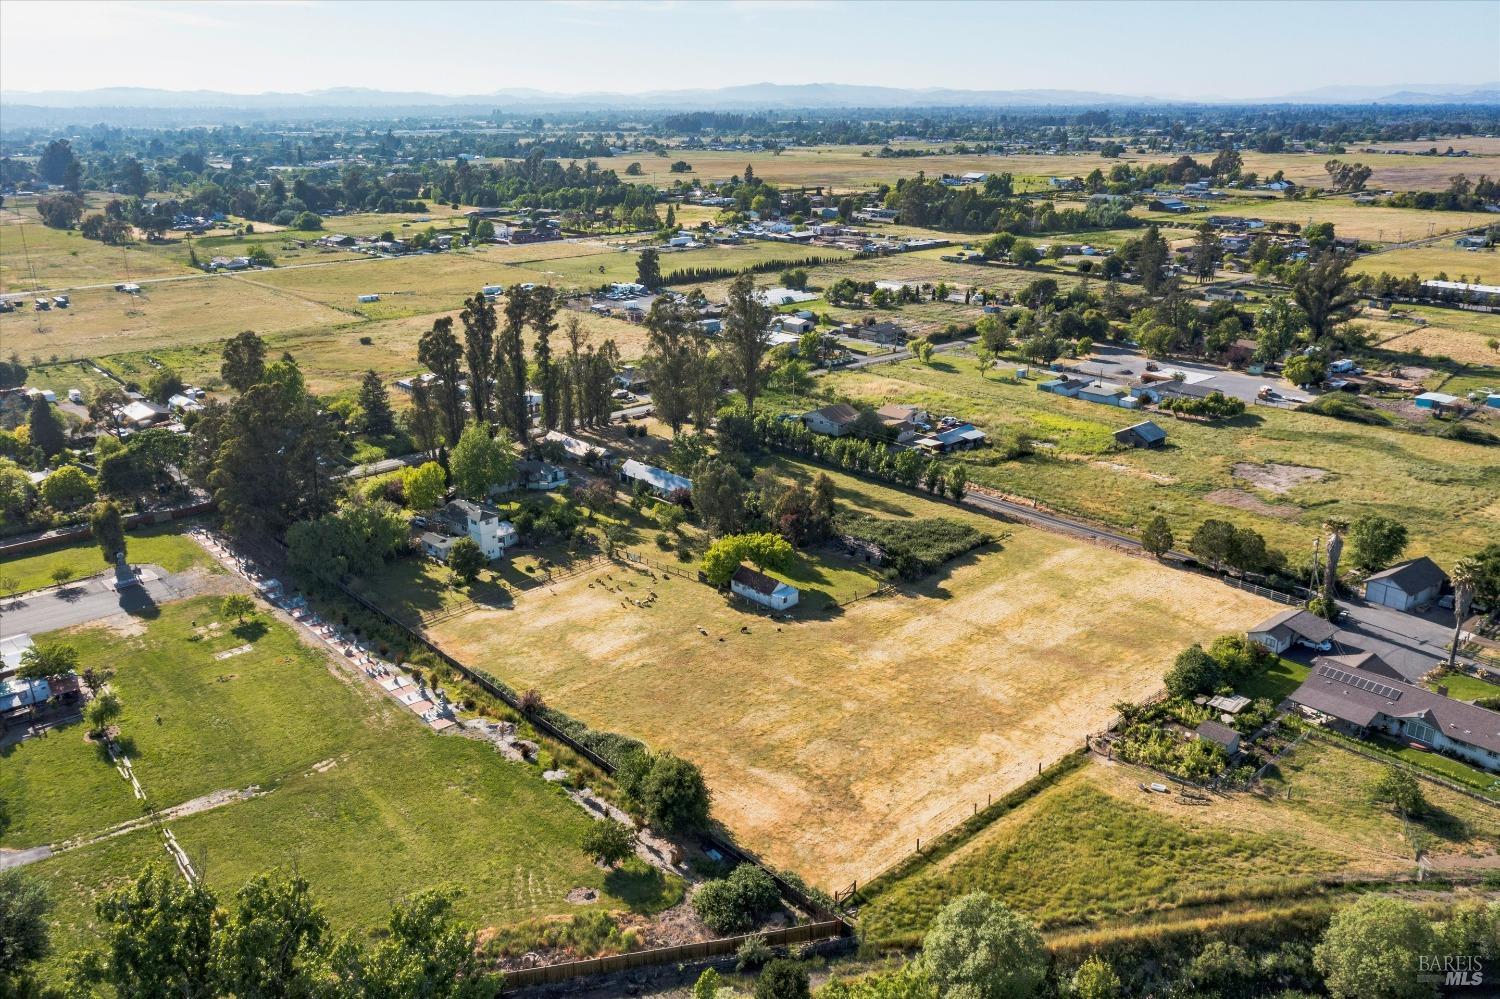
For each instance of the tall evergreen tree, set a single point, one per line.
(108, 528)
(244, 361)
(379, 420)
(423, 421)
(675, 354)
(1326, 294)
(270, 466)
(438, 349)
(648, 268)
(543, 324)
(746, 339)
(47, 431)
(1151, 258)
(573, 369)
(479, 322)
(510, 366)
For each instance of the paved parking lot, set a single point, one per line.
(1117, 363)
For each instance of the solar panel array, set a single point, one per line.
(1362, 683)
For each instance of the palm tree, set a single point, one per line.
(1465, 576)
(1335, 529)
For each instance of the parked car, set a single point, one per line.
(1324, 646)
(419, 521)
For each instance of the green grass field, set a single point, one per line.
(1365, 469)
(1094, 847)
(363, 799)
(164, 546)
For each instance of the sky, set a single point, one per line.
(1185, 50)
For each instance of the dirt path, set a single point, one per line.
(20, 858)
(204, 803)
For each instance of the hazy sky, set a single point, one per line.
(1186, 49)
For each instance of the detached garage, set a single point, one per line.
(1408, 585)
(1277, 633)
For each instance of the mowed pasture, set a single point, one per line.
(168, 313)
(357, 794)
(1479, 266)
(1081, 470)
(834, 740)
(1094, 848)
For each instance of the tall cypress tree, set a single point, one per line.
(480, 323)
(439, 351)
(47, 431)
(544, 324)
(510, 367)
(379, 420)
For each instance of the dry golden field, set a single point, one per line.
(846, 167)
(832, 743)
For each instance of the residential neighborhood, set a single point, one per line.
(802, 526)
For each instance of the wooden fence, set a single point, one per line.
(1261, 591)
(681, 954)
(637, 559)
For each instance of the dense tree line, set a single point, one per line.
(705, 275)
(158, 935)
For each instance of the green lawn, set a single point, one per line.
(1443, 766)
(1277, 683)
(58, 787)
(163, 545)
(1463, 687)
(76, 878)
(364, 800)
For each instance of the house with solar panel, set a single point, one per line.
(1365, 696)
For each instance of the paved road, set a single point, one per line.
(382, 466)
(90, 600)
(898, 355)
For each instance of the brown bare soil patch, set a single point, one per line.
(1274, 477)
(1249, 502)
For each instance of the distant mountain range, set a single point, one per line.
(758, 96)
